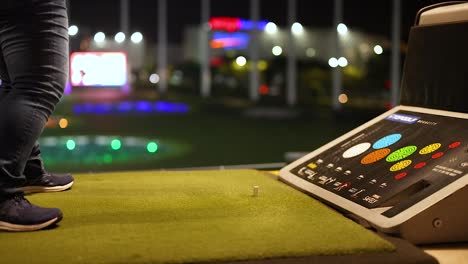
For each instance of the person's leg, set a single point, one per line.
(38, 179)
(35, 165)
(34, 44)
(7, 181)
(34, 47)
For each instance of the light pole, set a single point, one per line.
(254, 74)
(395, 61)
(124, 17)
(291, 71)
(205, 72)
(162, 45)
(336, 71)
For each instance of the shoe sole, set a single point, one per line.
(37, 189)
(5, 226)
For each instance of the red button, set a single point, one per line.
(400, 175)
(437, 155)
(454, 144)
(420, 165)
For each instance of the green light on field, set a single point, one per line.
(152, 147)
(107, 158)
(116, 144)
(71, 145)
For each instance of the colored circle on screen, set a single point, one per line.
(437, 155)
(356, 150)
(430, 148)
(400, 154)
(400, 165)
(386, 141)
(420, 165)
(454, 144)
(375, 156)
(400, 175)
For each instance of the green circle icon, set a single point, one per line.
(401, 153)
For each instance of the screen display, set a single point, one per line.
(98, 69)
(396, 162)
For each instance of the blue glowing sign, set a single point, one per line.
(222, 40)
(129, 107)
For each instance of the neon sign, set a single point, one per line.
(231, 24)
(98, 69)
(221, 40)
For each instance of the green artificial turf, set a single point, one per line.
(187, 216)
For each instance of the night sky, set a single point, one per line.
(372, 16)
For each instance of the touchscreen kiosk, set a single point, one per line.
(390, 169)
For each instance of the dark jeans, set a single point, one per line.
(33, 70)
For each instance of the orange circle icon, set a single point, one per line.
(375, 156)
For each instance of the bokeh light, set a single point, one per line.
(72, 30)
(116, 144)
(71, 144)
(107, 159)
(342, 62)
(297, 28)
(241, 61)
(310, 52)
(136, 37)
(262, 65)
(333, 62)
(378, 49)
(99, 37)
(343, 98)
(152, 147)
(277, 50)
(63, 123)
(119, 37)
(154, 78)
(342, 29)
(271, 28)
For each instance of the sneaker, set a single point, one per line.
(48, 182)
(17, 214)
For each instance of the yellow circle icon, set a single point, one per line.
(430, 148)
(400, 165)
